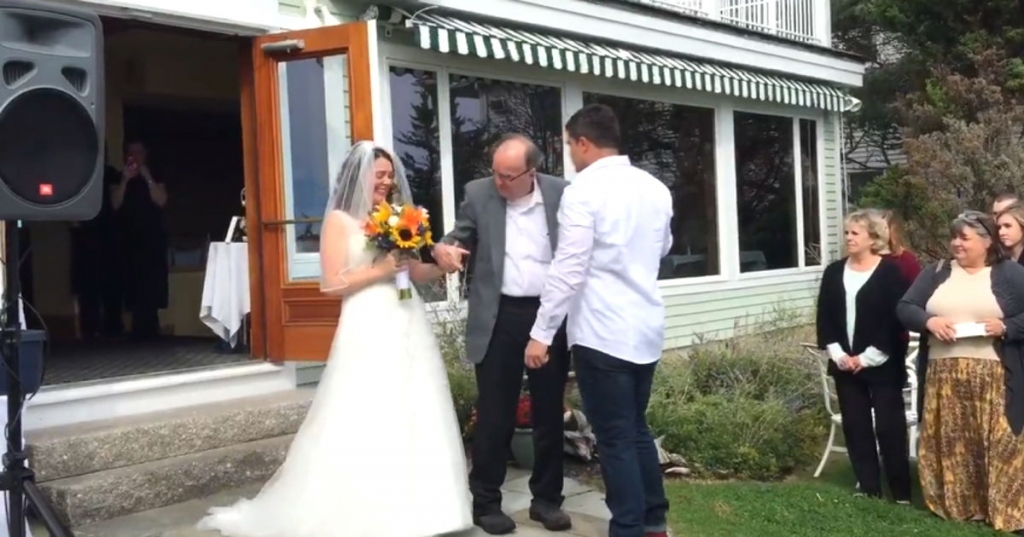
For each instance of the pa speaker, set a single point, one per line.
(51, 112)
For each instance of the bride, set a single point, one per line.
(379, 453)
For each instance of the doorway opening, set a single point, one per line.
(173, 108)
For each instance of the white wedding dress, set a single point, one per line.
(380, 453)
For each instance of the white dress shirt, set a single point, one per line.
(527, 246)
(614, 228)
(853, 280)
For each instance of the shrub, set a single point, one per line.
(749, 407)
(450, 331)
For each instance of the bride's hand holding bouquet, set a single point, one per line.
(399, 232)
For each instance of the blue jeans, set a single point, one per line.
(615, 395)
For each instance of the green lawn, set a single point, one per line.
(801, 507)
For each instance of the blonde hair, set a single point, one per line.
(1015, 210)
(875, 223)
(896, 244)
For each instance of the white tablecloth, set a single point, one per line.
(226, 289)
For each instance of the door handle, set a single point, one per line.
(269, 223)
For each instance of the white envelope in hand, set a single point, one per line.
(965, 330)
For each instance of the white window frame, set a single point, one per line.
(573, 86)
(795, 115)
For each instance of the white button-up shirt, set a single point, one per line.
(527, 246)
(614, 228)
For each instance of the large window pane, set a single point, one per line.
(309, 172)
(811, 202)
(414, 124)
(484, 109)
(765, 192)
(315, 136)
(676, 144)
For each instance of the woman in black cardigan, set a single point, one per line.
(857, 325)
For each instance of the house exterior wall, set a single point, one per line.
(717, 311)
(688, 36)
(700, 308)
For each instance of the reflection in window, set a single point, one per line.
(676, 144)
(483, 110)
(765, 192)
(414, 122)
(305, 129)
(811, 202)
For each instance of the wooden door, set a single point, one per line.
(310, 98)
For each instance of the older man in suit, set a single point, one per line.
(508, 224)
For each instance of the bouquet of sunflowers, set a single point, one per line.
(399, 228)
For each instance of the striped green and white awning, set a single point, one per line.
(457, 36)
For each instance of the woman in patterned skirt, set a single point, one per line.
(971, 448)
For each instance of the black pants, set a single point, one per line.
(499, 379)
(96, 280)
(615, 396)
(145, 322)
(100, 310)
(857, 399)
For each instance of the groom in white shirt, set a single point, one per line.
(614, 228)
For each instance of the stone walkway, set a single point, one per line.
(586, 505)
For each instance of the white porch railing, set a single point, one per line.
(807, 21)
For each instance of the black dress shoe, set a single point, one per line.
(495, 523)
(552, 518)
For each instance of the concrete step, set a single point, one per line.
(79, 450)
(114, 493)
(584, 504)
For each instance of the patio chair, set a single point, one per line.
(910, 393)
(836, 419)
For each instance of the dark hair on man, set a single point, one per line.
(1006, 196)
(534, 158)
(597, 123)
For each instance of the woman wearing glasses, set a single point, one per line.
(971, 366)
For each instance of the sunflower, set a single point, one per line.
(404, 237)
(382, 213)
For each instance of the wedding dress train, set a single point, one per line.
(379, 453)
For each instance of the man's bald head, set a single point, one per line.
(514, 162)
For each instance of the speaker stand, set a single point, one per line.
(17, 479)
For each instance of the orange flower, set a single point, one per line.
(410, 217)
(371, 228)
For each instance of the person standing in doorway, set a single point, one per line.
(96, 267)
(614, 229)
(139, 199)
(508, 225)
